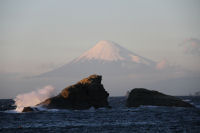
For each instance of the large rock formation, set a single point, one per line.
(87, 93)
(140, 96)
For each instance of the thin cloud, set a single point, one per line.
(162, 64)
(191, 46)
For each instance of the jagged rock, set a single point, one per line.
(88, 92)
(140, 96)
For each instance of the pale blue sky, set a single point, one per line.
(39, 35)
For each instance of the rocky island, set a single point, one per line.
(87, 93)
(141, 96)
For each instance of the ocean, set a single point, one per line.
(118, 119)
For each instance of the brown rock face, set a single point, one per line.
(88, 92)
(140, 96)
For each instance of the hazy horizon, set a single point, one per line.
(40, 36)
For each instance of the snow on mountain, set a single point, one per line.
(106, 58)
(111, 51)
(104, 50)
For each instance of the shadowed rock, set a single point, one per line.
(140, 96)
(89, 92)
(28, 109)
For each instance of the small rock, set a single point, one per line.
(28, 109)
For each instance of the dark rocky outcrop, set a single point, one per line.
(87, 93)
(140, 96)
(7, 104)
(28, 109)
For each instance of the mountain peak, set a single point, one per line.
(103, 50)
(110, 51)
(105, 43)
(105, 57)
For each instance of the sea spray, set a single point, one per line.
(33, 98)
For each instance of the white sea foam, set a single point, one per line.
(187, 100)
(33, 98)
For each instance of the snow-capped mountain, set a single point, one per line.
(106, 58)
(111, 51)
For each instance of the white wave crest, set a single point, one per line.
(33, 98)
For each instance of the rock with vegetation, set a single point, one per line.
(89, 92)
(140, 96)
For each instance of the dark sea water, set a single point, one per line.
(145, 119)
